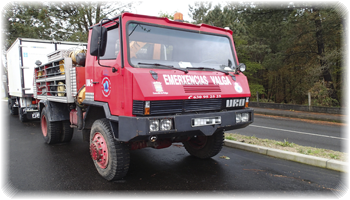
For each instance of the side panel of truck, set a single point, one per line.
(13, 63)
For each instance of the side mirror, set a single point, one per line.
(98, 41)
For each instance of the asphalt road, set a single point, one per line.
(299, 132)
(35, 168)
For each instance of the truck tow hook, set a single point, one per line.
(153, 138)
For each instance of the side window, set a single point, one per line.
(113, 42)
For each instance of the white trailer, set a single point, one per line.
(21, 58)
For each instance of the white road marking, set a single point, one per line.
(304, 133)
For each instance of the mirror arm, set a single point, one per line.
(99, 45)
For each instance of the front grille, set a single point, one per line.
(165, 107)
(195, 105)
(137, 107)
(178, 106)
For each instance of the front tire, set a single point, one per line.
(205, 146)
(111, 157)
(51, 130)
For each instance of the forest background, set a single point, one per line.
(290, 49)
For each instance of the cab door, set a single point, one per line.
(108, 83)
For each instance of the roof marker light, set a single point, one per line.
(178, 17)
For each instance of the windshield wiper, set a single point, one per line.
(208, 68)
(161, 65)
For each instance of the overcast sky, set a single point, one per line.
(152, 7)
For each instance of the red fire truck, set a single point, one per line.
(144, 82)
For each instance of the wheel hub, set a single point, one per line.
(44, 125)
(99, 150)
(94, 152)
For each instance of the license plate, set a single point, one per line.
(35, 115)
(205, 121)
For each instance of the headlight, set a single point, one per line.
(166, 124)
(238, 118)
(245, 117)
(154, 125)
(242, 117)
(160, 125)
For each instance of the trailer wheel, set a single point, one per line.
(51, 130)
(67, 131)
(111, 157)
(9, 102)
(21, 116)
(13, 109)
(205, 146)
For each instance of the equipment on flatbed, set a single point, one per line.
(21, 60)
(143, 82)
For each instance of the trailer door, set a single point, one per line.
(31, 52)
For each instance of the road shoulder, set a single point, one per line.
(296, 157)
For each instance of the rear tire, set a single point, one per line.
(205, 146)
(21, 116)
(111, 157)
(51, 130)
(11, 105)
(67, 131)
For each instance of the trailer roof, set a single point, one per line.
(45, 41)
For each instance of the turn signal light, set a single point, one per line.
(147, 108)
(147, 111)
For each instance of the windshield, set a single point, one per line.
(178, 48)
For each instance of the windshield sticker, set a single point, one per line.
(185, 64)
(238, 88)
(158, 88)
(106, 86)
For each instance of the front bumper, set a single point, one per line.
(137, 128)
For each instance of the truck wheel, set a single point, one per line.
(51, 130)
(205, 146)
(9, 103)
(11, 106)
(111, 158)
(67, 131)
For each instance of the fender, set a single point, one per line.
(99, 110)
(55, 111)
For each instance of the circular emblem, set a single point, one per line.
(238, 88)
(106, 86)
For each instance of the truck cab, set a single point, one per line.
(151, 82)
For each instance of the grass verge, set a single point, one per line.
(288, 146)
